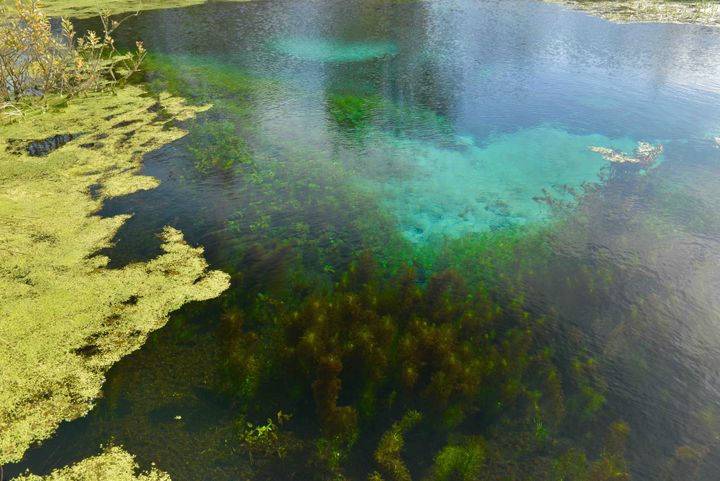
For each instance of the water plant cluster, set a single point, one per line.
(289, 204)
(439, 367)
(406, 362)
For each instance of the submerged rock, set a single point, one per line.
(644, 155)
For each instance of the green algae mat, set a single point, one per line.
(113, 464)
(66, 316)
(91, 8)
(650, 11)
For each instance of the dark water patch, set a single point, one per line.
(125, 123)
(42, 147)
(95, 191)
(92, 145)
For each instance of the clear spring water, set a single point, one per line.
(442, 120)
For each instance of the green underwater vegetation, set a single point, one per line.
(276, 179)
(436, 356)
(215, 145)
(204, 79)
(397, 351)
(321, 50)
(352, 111)
(383, 182)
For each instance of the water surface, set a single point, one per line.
(437, 134)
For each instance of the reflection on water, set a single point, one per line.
(555, 303)
(325, 51)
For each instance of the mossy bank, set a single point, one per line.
(700, 12)
(91, 8)
(66, 316)
(113, 464)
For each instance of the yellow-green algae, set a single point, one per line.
(114, 464)
(91, 8)
(65, 317)
(701, 12)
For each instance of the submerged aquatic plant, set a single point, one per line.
(264, 440)
(216, 146)
(389, 451)
(374, 347)
(460, 461)
(352, 111)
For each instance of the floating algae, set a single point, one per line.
(91, 8)
(113, 464)
(645, 154)
(649, 11)
(65, 317)
(322, 50)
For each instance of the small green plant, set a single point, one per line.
(264, 440)
(461, 461)
(351, 111)
(389, 451)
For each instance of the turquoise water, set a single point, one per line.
(474, 188)
(452, 137)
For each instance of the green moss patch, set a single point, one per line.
(92, 8)
(113, 464)
(650, 11)
(65, 318)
